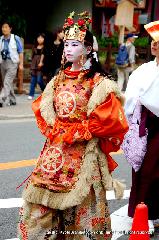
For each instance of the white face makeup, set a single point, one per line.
(74, 50)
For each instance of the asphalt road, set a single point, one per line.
(21, 140)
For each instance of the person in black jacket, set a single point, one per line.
(53, 55)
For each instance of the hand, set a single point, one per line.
(132, 66)
(20, 67)
(40, 65)
(44, 77)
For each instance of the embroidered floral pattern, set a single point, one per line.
(60, 161)
(90, 220)
(52, 160)
(65, 104)
(57, 168)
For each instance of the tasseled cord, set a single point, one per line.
(23, 182)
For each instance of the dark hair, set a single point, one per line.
(88, 40)
(36, 43)
(96, 66)
(39, 35)
(7, 22)
(56, 31)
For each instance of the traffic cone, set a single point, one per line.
(140, 226)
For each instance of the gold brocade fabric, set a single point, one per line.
(89, 220)
(60, 161)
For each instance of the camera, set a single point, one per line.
(4, 54)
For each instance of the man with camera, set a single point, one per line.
(11, 59)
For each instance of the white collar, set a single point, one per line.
(139, 82)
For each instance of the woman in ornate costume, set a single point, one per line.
(80, 114)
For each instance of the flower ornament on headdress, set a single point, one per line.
(77, 30)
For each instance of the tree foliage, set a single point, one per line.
(10, 13)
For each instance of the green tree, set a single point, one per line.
(8, 12)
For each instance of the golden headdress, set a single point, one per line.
(153, 29)
(77, 30)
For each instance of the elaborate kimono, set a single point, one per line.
(83, 121)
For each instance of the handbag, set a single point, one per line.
(134, 146)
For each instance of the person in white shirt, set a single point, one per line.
(11, 60)
(124, 72)
(143, 87)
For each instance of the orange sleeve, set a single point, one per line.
(109, 124)
(108, 119)
(41, 123)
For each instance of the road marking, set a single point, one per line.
(11, 203)
(13, 239)
(111, 196)
(120, 222)
(17, 164)
(17, 202)
(30, 162)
